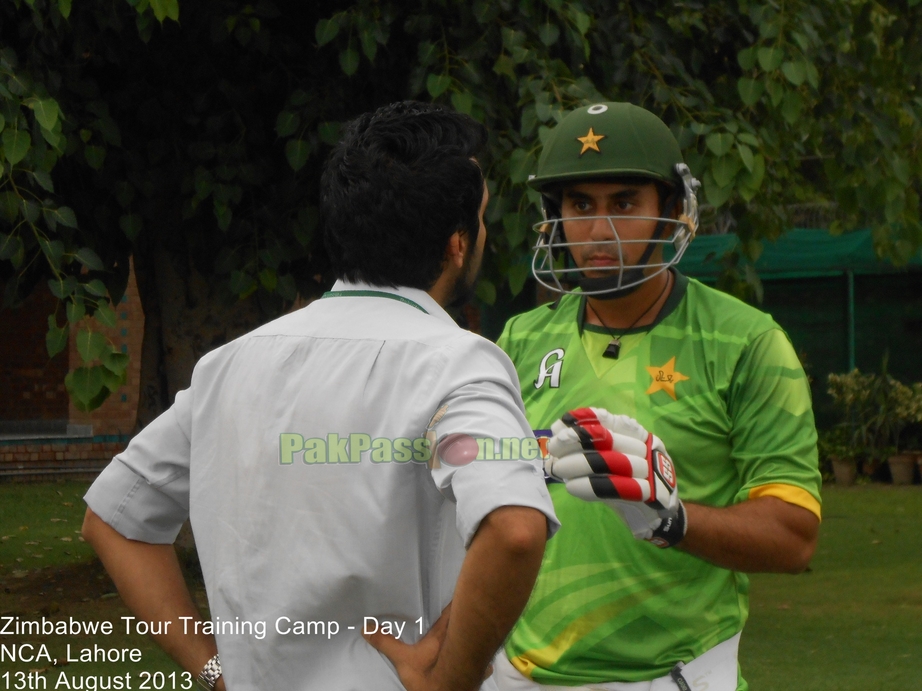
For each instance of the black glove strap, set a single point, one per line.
(671, 530)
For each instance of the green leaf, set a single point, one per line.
(747, 138)
(369, 44)
(44, 180)
(505, 65)
(426, 53)
(89, 259)
(582, 22)
(518, 274)
(2, 122)
(719, 143)
(746, 58)
(96, 287)
(91, 344)
(486, 291)
(521, 164)
(75, 311)
(84, 384)
(112, 381)
(105, 315)
(56, 337)
(9, 206)
(813, 75)
(242, 284)
(16, 144)
(164, 9)
(770, 58)
(462, 101)
(794, 72)
(548, 33)
(46, 111)
(95, 156)
(328, 132)
(750, 182)
(746, 156)
(349, 61)
(10, 245)
(287, 123)
(437, 84)
(776, 91)
(61, 287)
(286, 287)
(792, 107)
(297, 152)
(515, 226)
(53, 251)
(64, 215)
(269, 279)
(724, 170)
(64, 8)
(30, 210)
(131, 225)
(326, 31)
(115, 361)
(750, 90)
(717, 196)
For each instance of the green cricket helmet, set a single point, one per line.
(607, 142)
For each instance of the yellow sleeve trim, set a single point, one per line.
(789, 493)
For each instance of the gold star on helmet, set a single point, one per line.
(590, 141)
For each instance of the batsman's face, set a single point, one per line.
(601, 214)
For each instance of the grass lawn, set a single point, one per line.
(853, 622)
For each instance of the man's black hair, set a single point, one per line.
(396, 187)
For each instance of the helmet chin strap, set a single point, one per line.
(608, 287)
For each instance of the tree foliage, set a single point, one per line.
(197, 131)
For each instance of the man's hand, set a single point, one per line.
(612, 458)
(415, 663)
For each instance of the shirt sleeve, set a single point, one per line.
(144, 492)
(485, 455)
(774, 434)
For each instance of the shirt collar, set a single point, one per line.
(420, 297)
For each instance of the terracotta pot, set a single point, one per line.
(845, 470)
(902, 468)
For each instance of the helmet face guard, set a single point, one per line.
(552, 264)
(608, 142)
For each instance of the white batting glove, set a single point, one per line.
(611, 458)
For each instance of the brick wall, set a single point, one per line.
(44, 459)
(31, 384)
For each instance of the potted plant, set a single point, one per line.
(835, 448)
(852, 437)
(894, 407)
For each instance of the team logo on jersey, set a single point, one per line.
(550, 369)
(665, 377)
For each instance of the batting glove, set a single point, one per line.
(612, 458)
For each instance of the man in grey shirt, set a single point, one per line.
(327, 459)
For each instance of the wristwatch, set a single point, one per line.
(210, 673)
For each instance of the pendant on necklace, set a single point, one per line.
(613, 349)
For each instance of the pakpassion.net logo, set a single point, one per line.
(452, 449)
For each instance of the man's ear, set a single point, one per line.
(456, 250)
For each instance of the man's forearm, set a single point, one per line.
(760, 535)
(151, 585)
(495, 583)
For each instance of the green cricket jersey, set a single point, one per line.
(719, 382)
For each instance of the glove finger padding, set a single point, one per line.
(612, 458)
